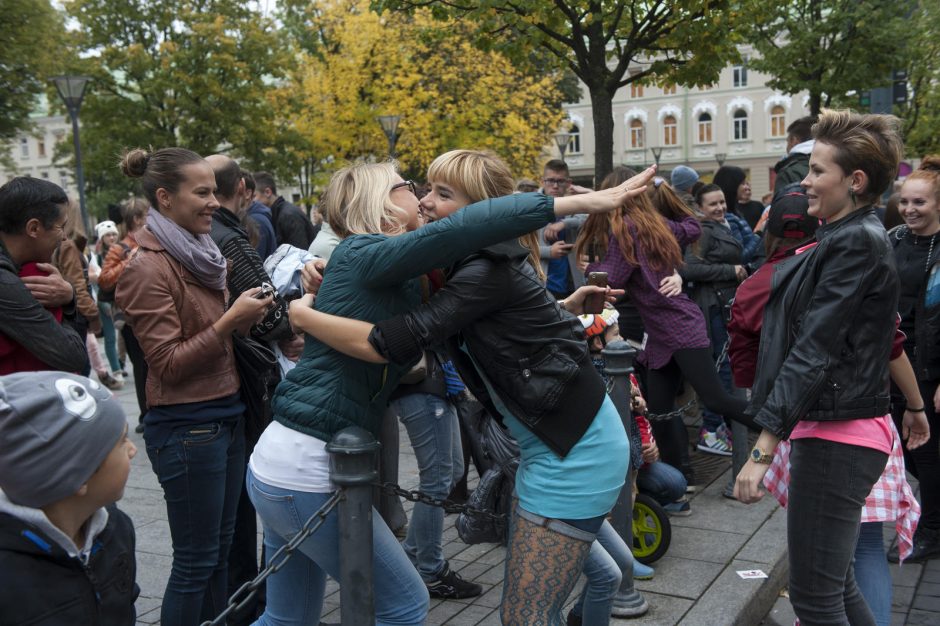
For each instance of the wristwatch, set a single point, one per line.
(758, 456)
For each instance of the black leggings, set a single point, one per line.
(698, 368)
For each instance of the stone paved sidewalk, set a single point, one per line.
(695, 582)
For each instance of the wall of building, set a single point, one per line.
(31, 154)
(652, 108)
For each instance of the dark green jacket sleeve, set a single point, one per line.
(391, 260)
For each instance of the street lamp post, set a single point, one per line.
(657, 152)
(562, 140)
(389, 124)
(72, 89)
(720, 157)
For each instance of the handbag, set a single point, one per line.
(258, 371)
(418, 371)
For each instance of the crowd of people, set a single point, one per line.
(255, 335)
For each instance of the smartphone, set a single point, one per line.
(266, 290)
(594, 303)
(571, 235)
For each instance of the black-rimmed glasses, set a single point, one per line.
(410, 184)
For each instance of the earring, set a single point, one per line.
(852, 196)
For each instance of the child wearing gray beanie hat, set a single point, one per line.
(64, 461)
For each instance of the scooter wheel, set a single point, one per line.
(652, 531)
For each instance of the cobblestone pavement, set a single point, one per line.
(695, 583)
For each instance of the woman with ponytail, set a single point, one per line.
(173, 292)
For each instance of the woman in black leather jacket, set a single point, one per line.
(823, 375)
(917, 252)
(525, 358)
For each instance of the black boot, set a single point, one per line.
(926, 546)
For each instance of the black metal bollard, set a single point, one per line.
(352, 468)
(619, 357)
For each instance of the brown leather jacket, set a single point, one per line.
(115, 261)
(172, 316)
(68, 258)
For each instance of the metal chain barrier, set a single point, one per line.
(447, 505)
(246, 592)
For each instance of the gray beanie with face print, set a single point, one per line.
(56, 429)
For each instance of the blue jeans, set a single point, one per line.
(110, 335)
(609, 570)
(829, 482)
(431, 422)
(871, 572)
(711, 420)
(295, 593)
(661, 481)
(201, 469)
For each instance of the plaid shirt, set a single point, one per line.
(671, 323)
(890, 498)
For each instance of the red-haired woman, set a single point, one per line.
(643, 248)
(917, 254)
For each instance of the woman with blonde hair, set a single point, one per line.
(525, 359)
(822, 377)
(371, 277)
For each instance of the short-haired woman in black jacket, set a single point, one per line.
(525, 358)
(822, 381)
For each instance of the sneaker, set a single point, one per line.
(642, 571)
(678, 509)
(111, 382)
(630, 604)
(711, 443)
(724, 431)
(449, 584)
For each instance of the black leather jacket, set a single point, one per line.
(531, 350)
(828, 329)
(925, 356)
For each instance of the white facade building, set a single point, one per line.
(31, 153)
(739, 117)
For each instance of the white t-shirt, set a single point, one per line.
(289, 459)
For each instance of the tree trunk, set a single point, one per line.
(815, 103)
(603, 111)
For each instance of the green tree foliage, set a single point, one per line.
(192, 73)
(30, 35)
(827, 47)
(921, 113)
(607, 45)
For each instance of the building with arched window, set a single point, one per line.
(704, 133)
(739, 125)
(738, 120)
(778, 121)
(670, 131)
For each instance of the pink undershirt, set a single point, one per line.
(872, 432)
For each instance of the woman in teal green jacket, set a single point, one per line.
(371, 276)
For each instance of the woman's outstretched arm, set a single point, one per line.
(343, 334)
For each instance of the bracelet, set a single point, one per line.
(920, 410)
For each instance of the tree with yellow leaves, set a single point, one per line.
(450, 94)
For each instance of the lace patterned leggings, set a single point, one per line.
(543, 561)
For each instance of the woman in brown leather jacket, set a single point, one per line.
(173, 292)
(134, 212)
